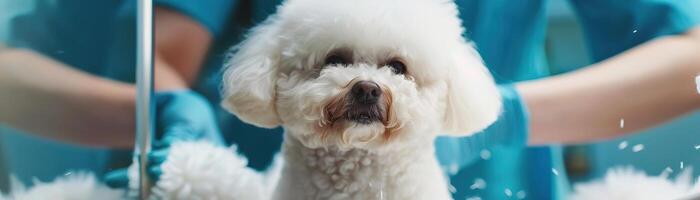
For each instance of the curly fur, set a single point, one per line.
(78, 186)
(629, 184)
(199, 170)
(278, 77)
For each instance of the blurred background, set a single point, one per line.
(107, 51)
(665, 146)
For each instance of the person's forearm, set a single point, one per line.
(46, 98)
(645, 86)
(49, 99)
(181, 45)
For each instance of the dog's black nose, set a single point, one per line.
(366, 92)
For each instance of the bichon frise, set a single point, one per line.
(361, 88)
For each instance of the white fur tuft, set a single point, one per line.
(200, 170)
(473, 101)
(629, 184)
(80, 186)
(249, 77)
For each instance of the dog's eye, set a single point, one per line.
(397, 66)
(335, 59)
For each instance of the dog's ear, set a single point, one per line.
(250, 74)
(473, 100)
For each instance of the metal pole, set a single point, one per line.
(144, 85)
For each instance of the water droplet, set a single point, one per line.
(622, 145)
(68, 173)
(668, 170)
(454, 168)
(485, 154)
(555, 172)
(697, 147)
(665, 173)
(452, 188)
(622, 123)
(378, 187)
(508, 192)
(521, 194)
(474, 198)
(681, 165)
(697, 85)
(634, 31)
(479, 184)
(638, 148)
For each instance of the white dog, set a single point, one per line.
(362, 88)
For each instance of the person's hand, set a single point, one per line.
(509, 130)
(180, 116)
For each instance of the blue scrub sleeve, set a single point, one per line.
(510, 130)
(212, 14)
(613, 26)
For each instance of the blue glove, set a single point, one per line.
(509, 130)
(180, 116)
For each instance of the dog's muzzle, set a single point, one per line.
(364, 105)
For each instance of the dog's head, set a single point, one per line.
(361, 74)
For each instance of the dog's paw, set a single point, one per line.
(200, 170)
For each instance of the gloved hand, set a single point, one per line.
(510, 129)
(180, 116)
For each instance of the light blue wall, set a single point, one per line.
(9, 9)
(665, 146)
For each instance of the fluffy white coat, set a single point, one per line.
(281, 76)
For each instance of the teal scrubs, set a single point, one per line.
(96, 37)
(258, 145)
(510, 35)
